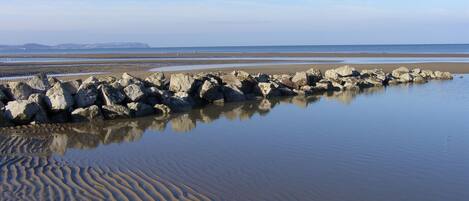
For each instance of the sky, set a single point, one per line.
(170, 23)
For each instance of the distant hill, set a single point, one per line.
(34, 46)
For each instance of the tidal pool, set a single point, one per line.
(407, 142)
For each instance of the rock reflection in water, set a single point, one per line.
(56, 139)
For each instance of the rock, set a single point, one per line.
(91, 80)
(115, 111)
(3, 96)
(72, 86)
(314, 75)
(162, 109)
(373, 81)
(1, 106)
(331, 75)
(110, 95)
(211, 91)
(262, 77)
(418, 79)
(324, 85)
(58, 98)
(52, 80)
(138, 109)
(427, 74)
(91, 113)
(397, 73)
(443, 75)
(233, 94)
(134, 92)
(22, 111)
(416, 71)
(86, 95)
(268, 89)
(300, 79)
(107, 79)
(182, 83)
(179, 102)
(157, 80)
(285, 91)
(19, 90)
(39, 82)
(376, 74)
(3, 121)
(128, 79)
(38, 98)
(346, 71)
(406, 77)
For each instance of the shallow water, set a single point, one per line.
(408, 142)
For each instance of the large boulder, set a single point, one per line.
(211, 91)
(443, 75)
(314, 75)
(128, 79)
(346, 71)
(72, 86)
(91, 113)
(87, 95)
(427, 74)
(182, 83)
(233, 94)
(3, 121)
(405, 77)
(23, 112)
(331, 74)
(397, 73)
(115, 111)
(161, 109)
(39, 82)
(248, 83)
(110, 95)
(179, 102)
(134, 92)
(300, 79)
(262, 77)
(157, 80)
(58, 98)
(19, 90)
(3, 96)
(91, 80)
(138, 109)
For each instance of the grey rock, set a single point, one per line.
(211, 91)
(21, 111)
(91, 80)
(346, 71)
(86, 95)
(72, 86)
(58, 98)
(331, 74)
(314, 75)
(397, 73)
(233, 94)
(3, 121)
(262, 77)
(115, 112)
(91, 113)
(138, 109)
(443, 75)
(179, 102)
(110, 95)
(182, 83)
(268, 89)
(39, 82)
(134, 92)
(406, 77)
(128, 79)
(19, 90)
(300, 79)
(162, 109)
(157, 80)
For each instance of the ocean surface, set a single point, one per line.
(406, 142)
(435, 48)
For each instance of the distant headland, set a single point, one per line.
(67, 46)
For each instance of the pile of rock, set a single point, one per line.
(48, 100)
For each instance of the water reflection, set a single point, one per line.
(56, 139)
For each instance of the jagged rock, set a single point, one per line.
(39, 82)
(443, 75)
(374, 81)
(427, 74)
(23, 112)
(331, 74)
(72, 86)
(268, 89)
(107, 79)
(1, 106)
(38, 98)
(58, 98)
(346, 71)
(115, 111)
(3, 96)
(52, 80)
(397, 73)
(91, 80)
(284, 91)
(138, 109)
(314, 75)
(211, 91)
(324, 85)
(179, 102)
(377, 74)
(3, 121)
(128, 79)
(240, 79)
(416, 71)
(157, 80)
(162, 109)
(300, 79)
(233, 93)
(182, 83)
(405, 77)
(110, 95)
(19, 90)
(91, 113)
(134, 92)
(418, 79)
(86, 95)
(231, 80)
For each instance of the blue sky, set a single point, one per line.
(234, 22)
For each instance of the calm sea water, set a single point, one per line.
(437, 48)
(408, 142)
